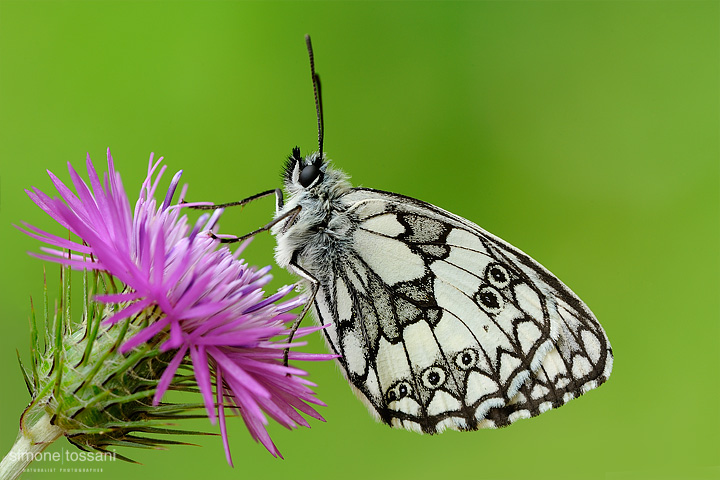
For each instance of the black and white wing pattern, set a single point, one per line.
(440, 324)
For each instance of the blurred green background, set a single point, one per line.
(585, 133)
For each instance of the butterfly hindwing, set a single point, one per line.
(442, 325)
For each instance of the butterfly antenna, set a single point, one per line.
(318, 95)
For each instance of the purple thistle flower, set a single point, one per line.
(212, 306)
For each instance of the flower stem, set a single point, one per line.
(29, 443)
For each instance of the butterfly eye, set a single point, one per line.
(466, 359)
(433, 377)
(308, 175)
(490, 300)
(497, 275)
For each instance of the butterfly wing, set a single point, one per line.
(441, 324)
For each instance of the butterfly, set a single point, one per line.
(437, 323)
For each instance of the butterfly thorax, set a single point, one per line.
(320, 229)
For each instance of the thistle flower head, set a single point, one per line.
(197, 304)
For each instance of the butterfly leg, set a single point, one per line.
(290, 216)
(240, 203)
(314, 287)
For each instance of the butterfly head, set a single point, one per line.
(304, 173)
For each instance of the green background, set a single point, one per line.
(585, 133)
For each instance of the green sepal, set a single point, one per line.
(34, 346)
(24, 371)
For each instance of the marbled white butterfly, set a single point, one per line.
(438, 323)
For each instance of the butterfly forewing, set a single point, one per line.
(443, 325)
